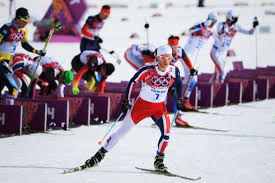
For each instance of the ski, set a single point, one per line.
(166, 173)
(203, 112)
(202, 128)
(213, 113)
(76, 169)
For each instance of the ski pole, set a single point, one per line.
(256, 41)
(113, 54)
(55, 25)
(118, 118)
(174, 118)
(185, 89)
(146, 26)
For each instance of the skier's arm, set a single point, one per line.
(26, 45)
(186, 59)
(4, 33)
(79, 75)
(143, 72)
(195, 29)
(85, 28)
(178, 84)
(244, 31)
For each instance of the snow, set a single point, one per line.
(243, 154)
(246, 153)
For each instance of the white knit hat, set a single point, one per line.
(164, 49)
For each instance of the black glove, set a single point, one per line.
(193, 72)
(58, 25)
(222, 31)
(41, 52)
(98, 39)
(235, 20)
(146, 26)
(5, 68)
(146, 52)
(180, 104)
(255, 22)
(125, 106)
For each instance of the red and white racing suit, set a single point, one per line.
(150, 103)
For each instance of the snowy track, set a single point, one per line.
(244, 154)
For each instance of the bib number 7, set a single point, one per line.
(157, 96)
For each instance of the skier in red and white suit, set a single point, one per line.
(139, 55)
(22, 64)
(179, 54)
(156, 80)
(54, 77)
(223, 36)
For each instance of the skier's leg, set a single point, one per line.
(164, 125)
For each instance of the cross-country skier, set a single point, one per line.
(156, 80)
(11, 34)
(179, 54)
(53, 72)
(90, 31)
(22, 65)
(86, 64)
(199, 35)
(139, 55)
(224, 34)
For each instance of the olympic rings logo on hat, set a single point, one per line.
(161, 81)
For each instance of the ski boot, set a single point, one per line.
(180, 122)
(188, 106)
(96, 159)
(159, 163)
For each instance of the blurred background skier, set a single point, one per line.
(223, 36)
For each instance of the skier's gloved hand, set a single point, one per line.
(98, 39)
(146, 26)
(235, 20)
(58, 25)
(6, 67)
(255, 22)
(180, 104)
(41, 52)
(193, 72)
(222, 30)
(125, 106)
(75, 91)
